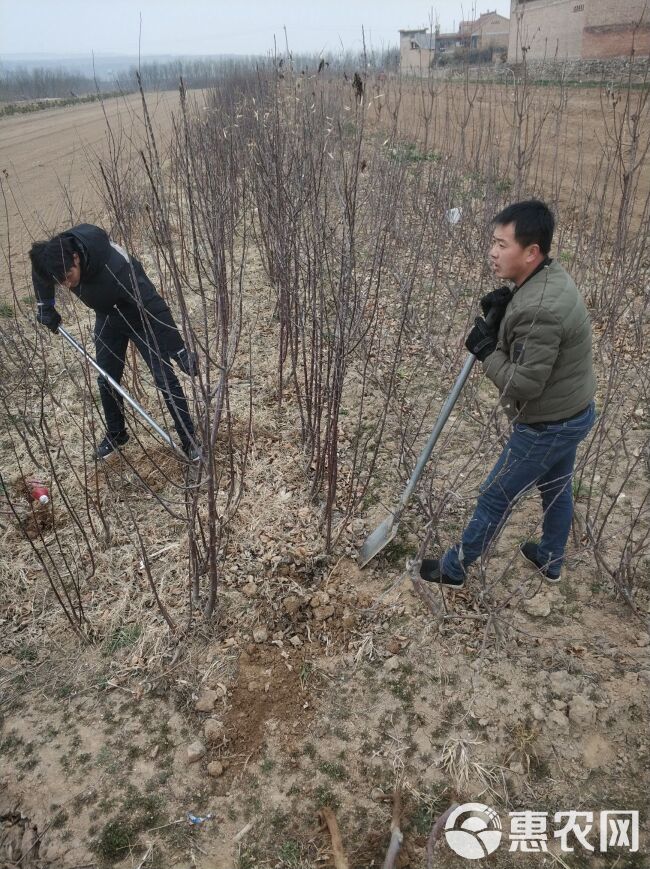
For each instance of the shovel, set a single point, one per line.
(116, 386)
(384, 533)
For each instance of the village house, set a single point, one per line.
(416, 51)
(578, 29)
(489, 32)
(419, 48)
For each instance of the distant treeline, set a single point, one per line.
(41, 84)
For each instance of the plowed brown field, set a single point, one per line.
(49, 165)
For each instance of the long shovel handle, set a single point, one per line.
(443, 416)
(116, 386)
(386, 531)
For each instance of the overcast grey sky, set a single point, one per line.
(218, 27)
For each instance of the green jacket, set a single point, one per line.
(542, 365)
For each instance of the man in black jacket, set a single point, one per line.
(99, 272)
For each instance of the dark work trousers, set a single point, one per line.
(113, 332)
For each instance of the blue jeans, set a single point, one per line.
(541, 455)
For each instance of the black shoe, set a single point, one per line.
(430, 572)
(110, 444)
(529, 551)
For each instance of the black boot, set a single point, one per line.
(110, 443)
(192, 450)
(529, 551)
(430, 572)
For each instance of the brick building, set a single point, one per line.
(489, 30)
(578, 29)
(418, 48)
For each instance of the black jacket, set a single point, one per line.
(107, 282)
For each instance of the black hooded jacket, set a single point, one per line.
(107, 282)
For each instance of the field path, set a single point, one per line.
(49, 167)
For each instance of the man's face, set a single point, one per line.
(509, 260)
(73, 275)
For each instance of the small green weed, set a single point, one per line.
(325, 797)
(341, 734)
(335, 771)
(427, 809)
(138, 812)
(115, 839)
(369, 500)
(580, 490)
(398, 552)
(143, 809)
(279, 820)
(65, 690)
(248, 859)
(107, 804)
(290, 853)
(403, 691)
(122, 638)
(306, 672)
(26, 652)
(107, 758)
(10, 743)
(28, 764)
(410, 153)
(60, 820)
(422, 818)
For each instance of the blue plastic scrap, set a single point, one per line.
(196, 819)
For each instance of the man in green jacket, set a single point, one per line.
(538, 354)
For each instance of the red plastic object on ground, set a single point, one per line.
(38, 491)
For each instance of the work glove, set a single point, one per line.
(187, 361)
(482, 340)
(49, 316)
(496, 301)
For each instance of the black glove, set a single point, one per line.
(49, 316)
(482, 340)
(187, 361)
(497, 301)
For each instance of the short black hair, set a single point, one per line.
(533, 222)
(53, 259)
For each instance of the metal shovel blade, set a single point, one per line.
(379, 538)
